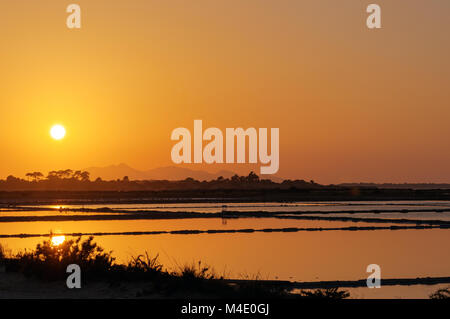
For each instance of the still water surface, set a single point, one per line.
(299, 256)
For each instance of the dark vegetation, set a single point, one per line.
(70, 180)
(441, 294)
(72, 187)
(48, 262)
(333, 293)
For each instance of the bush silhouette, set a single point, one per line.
(50, 262)
(441, 294)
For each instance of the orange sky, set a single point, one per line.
(352, 104)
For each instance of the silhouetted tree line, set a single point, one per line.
(69, 180)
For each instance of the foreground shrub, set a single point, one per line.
(50, 261)
(2, 253)
(328, 293)
(441, 294)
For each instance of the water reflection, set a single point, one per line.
(303, 256)
(57, 240)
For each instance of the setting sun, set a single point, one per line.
(57, 132)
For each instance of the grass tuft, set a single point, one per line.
(328, 293)
(441, 294)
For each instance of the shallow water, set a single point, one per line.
(395, 292)
(295, 256)
(270, 207)
(445, 216)
(167, 224)
(304, 256)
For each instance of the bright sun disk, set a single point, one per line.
(57, 132)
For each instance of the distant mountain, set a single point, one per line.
(114, 172)
(179, 173)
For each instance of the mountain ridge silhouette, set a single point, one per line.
(113, 172)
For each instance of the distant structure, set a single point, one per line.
(224, 210)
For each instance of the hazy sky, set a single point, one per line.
(352, 104)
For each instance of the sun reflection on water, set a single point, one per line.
(58, 240)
